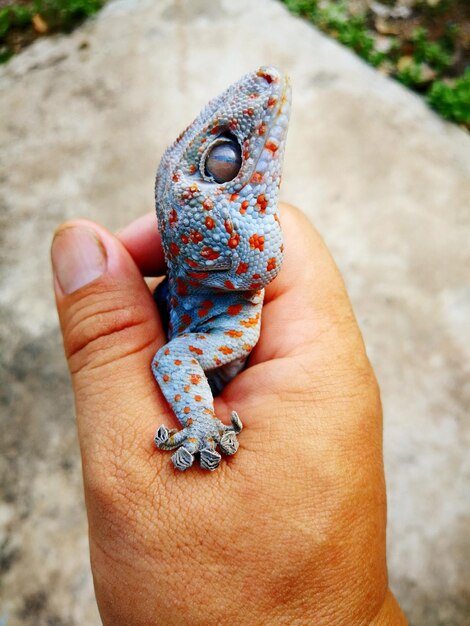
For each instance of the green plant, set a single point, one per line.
(452, 99)
(65, 14)
(306, 8)
(410, 75)
(17, 21)
(417, 61)
(431, 52)
(351, 31)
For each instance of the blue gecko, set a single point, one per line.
(216, 198)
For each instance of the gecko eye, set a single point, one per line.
(222, 161)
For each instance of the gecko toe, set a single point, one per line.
(209, 459)
(182, 459)
(229, 442)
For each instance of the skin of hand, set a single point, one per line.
(291, 530)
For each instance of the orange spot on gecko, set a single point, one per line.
(186, 410)
(192, 168)
(198, 398)
(257, 242)
(208, 204)
(177, 397)
(228, 226)
(200, 275)
(173, 217)
(267, 77)
(184, 239)
(272, 101)
(271, 264)
(270, 145)
(174, 249)
(210, 223)
(257, 177)
(245, 204)
(195, 349)
(225, 350)
(250, 322)
(191, 263)
(167, 351)
(209, 253)
(262, 203)
(234, 197)
(207, 304)
(195, 379)
(233, 241)
(175, 178)
(233, 333)
(242, 268)
(261, 128)
(177, 362)
(189, 421)
(181, 287)
(234, 309)
(254, 286)
(166, 378)
(196, 236)
(229, 284)
(186, 319)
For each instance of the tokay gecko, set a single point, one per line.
(216, 198)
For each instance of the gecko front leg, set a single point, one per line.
(179, 368)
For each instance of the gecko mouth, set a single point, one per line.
(213, 270)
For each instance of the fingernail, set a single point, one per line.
(78, 257)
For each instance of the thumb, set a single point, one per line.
(111, 330)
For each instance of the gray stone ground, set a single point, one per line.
(84, 120)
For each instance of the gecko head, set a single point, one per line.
(217, 186)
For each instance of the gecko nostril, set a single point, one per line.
(270, 74)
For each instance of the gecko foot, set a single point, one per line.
(200, 437)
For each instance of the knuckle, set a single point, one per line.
(100, 330)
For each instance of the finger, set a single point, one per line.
(111, 330)
(307, 304)
(143, 242)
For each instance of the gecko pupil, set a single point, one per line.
(224, 160)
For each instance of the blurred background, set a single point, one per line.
(84, 119)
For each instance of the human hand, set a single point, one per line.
(291, 530)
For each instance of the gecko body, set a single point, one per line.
(216, 199)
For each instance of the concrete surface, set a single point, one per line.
(84, 121)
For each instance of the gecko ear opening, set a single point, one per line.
(222, 159)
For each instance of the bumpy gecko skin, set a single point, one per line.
(216, 198)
